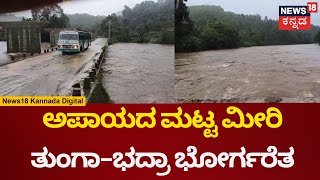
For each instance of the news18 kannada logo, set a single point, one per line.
(296, 17)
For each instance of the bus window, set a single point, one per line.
(69, 37)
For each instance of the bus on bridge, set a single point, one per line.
(71, 41)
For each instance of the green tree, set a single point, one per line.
(148, 21)
(53, 14)
(142, 30)
(188, 43)
(220, 36)
(186, 38)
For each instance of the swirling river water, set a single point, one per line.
(257, 74)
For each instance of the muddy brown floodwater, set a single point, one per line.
(139, 73)
(256, 74)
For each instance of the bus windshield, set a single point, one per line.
(69, 36)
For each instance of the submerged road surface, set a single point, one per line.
(256, 74)
(48, 74)
(139, 73)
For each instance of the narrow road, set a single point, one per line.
(48, 74)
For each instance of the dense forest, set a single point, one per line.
(147, 22)
(53, 14)
(214, 28)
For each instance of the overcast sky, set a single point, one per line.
(268, 8)
(94, 7)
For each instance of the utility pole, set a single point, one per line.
(109, 35)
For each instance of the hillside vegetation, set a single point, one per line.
(147, 22)
(214, 28)
(86, 22)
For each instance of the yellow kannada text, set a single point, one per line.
(123, 119)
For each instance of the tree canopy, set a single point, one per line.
(53, 14)
(148, 21)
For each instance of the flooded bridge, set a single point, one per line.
(47, 74)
